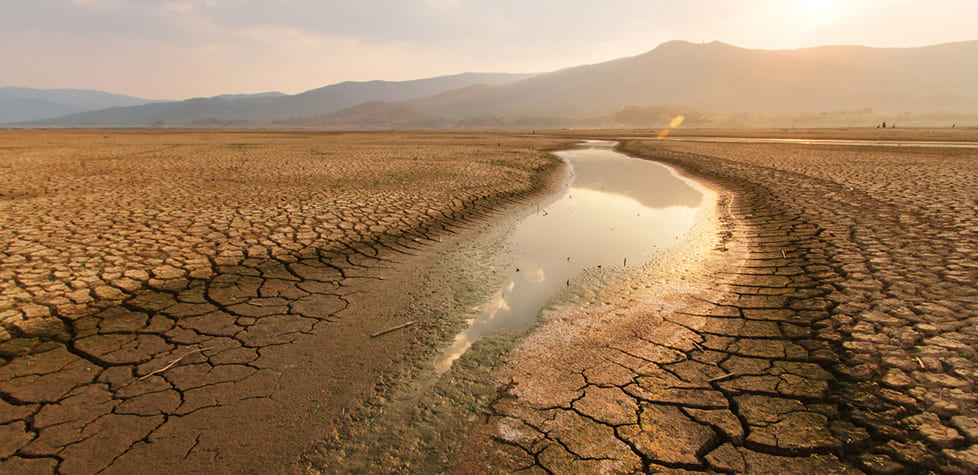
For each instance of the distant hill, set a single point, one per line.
(717, 81)
(234, 97)
(20, 104)
(371, 115)
(724, 78)
(712, 84)
(267, 108)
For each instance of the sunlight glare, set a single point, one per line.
(821, 9)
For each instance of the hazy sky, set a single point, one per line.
(184, 48)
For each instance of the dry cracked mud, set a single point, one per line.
(202, 301)
(831, 330)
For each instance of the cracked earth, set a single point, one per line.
(830, 330)
(203, 301)
(185, 301)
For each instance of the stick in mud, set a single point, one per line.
(396, 327)
(172, 363)
(721, 378)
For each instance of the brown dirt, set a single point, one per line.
(202, 301)
(821, 317)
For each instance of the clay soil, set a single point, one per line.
(204, 302)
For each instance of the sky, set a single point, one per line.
(177, 49)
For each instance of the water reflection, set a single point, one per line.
(617, 211)
(655, 188)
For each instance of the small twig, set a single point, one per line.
(921, 363)
(172, 363)
(783, 254)
(721, 378)
(397, 327)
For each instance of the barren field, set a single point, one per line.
(163, 294)
(205, 301)
(89, 216)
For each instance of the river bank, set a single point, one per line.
(887, 240)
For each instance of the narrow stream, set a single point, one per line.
(616, 212)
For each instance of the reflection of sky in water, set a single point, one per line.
(617, 210)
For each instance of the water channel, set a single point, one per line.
(616, 211)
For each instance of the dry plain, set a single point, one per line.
(186, 299)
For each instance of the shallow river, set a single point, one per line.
(616, 211)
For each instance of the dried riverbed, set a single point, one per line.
(614, 223)
(819, 318)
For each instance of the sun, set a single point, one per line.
(820, 8)
(821, 11)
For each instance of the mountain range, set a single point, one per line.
(707, 78)
(265, 108)
(21, 104)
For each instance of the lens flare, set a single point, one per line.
(675, 122)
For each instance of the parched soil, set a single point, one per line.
(203, 301)
(830, 330)
(87, 216)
